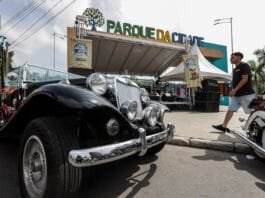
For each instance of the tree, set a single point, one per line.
(258, 75)
(260, 53)
(94, 18)
(257, 68)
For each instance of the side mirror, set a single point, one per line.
(12, 76)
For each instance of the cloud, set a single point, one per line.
(38, 49)
(190, 17)
(110, 8)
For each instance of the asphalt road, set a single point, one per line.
(175, 172)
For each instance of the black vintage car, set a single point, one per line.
(66, 122)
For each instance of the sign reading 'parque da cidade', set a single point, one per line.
(151, 33)
(94, 18)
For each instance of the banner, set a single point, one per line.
(79, 53)
(192, 71)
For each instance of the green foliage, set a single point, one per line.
(94, 18)
(260, 53)
(257, 68)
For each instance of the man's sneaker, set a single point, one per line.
(220, 128)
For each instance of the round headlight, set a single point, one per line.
(151, 115)
(129, 108)
(97, 83)
(144, 95)
(160, 112)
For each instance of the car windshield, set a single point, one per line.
(33, 73)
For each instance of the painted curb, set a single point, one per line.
(211, 144)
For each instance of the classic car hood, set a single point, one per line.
(72, 96)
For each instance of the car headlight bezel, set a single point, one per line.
(129, 109)
(144, 95)
(97, 83)
(112, 127)
(151, 115)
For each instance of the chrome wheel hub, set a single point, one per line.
(34, 167)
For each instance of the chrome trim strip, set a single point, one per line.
(108, 153)
(250, 143)
(116, 93)
(142, 134)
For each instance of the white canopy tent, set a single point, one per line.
(119, 54)
(207, 69)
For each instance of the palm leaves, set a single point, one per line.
(260, 53)
(257, 68)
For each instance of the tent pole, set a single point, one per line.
(193, 96)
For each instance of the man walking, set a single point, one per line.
(242, 93)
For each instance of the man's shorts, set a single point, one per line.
(241, 101)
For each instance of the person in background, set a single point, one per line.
(158, 85)
(242, 91)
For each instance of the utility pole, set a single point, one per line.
(7, 59)
(2, 42)
(227, 20)
(2, 66)
(59, 36)
(54, 50)
(232, 40)
(2, 54)
(2, 70)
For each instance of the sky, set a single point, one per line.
(190, 17)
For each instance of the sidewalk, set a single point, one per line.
(195, 129)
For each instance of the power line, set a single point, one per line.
(22, 13)
(37, 21)
(48, 21)
(26, 15)
(26, 7)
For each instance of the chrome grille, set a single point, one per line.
(125, 91)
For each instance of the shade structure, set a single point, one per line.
(207, 69)
(119, 54)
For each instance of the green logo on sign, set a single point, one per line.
(94, 18)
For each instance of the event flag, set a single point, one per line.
(79, 53)
(192, 72)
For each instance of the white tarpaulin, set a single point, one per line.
(207, 69)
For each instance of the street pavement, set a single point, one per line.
(174, 172)
(195, 129)
(199, 124)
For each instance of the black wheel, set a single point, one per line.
(155, 149)
(43, 167)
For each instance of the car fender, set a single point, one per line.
(73, 100)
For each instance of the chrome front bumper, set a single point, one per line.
(108, 153)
